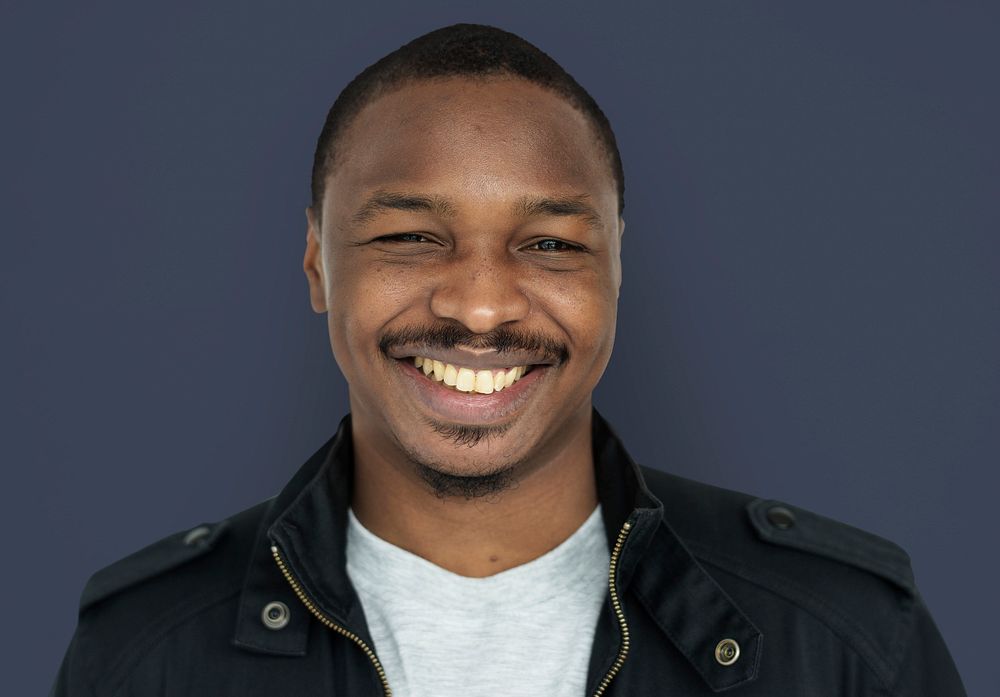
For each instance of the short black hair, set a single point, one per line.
(458, 50)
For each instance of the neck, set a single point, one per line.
(549, 500)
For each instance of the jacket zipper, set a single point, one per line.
(612, 586)
(330, 623)
(619, 613)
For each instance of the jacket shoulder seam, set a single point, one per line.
(170, 552)
(906, 638)
(835, 540)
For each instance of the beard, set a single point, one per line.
(487, 483)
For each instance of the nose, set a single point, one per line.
(481, 297)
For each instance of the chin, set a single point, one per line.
(467, 450)
(471, 479)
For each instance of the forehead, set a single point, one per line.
(496, 138)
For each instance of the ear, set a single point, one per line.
(312, 263)
(621, 233)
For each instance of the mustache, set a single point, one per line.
(502, 340)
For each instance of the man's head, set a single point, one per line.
(467, 200)
(472, 51)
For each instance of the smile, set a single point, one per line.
(470, 379)
(461, 394)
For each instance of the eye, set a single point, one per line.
(402, 237)
(553, 245)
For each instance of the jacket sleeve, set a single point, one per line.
(927, 668)
(70, 681)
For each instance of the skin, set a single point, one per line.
(476, 266)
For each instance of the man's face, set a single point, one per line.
(474, 223)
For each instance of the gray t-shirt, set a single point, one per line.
(523, 632)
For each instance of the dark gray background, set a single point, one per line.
(809, 310)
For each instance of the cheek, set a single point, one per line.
(585, 308)
(364, 298)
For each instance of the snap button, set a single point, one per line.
(780, 517)
(727, 651)
(197, 535)
(275, 615)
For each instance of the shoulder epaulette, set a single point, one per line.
(163, 555)
(782, 524)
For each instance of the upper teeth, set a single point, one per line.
(467, 379)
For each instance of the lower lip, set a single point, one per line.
(470, 407)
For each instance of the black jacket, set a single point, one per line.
(709, 590)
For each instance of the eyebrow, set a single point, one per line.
(382, 201)
(568, 206)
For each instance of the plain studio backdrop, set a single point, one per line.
(809, 309)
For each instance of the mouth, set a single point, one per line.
(462, 394)
(470, 379)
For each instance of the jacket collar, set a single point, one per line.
(307, 521)
(686, 603)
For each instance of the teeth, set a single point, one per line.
(467, 379)
(484, 382)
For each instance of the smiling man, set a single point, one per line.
(475, 527)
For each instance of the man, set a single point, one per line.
(475, 527)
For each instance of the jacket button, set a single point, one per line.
(780, 517)
(727, 652)
(197, 535)
(275, 615)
